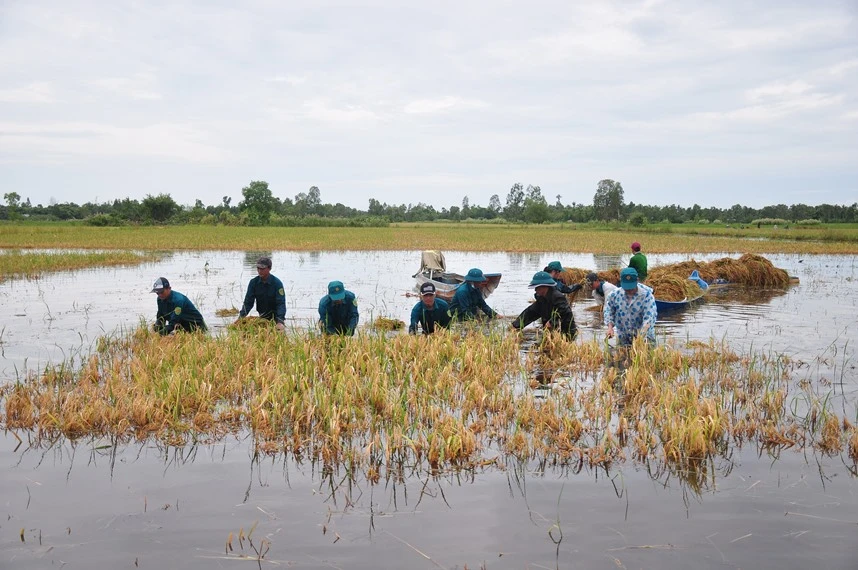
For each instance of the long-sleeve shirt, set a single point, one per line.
(269, 297)
(339, 318)
(631, 315)
(566, 289)
(601, 292)
(177, 311)
(553, 307)
(638, 262)
(467, 300)
(438, 315)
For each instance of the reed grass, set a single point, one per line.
(452, 236)
(31, 265)
(376, 404)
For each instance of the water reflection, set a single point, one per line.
(605, 262)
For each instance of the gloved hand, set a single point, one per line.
(575, 288)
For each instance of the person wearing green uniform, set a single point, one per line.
(175, 311)
(267, 293)
(468, 298)
(430, 313)
(338, 312)
(550, 306)
(638, 262)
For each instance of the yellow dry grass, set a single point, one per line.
(457, 399)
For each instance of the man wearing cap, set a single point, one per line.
(175, 311)
(555, 270)
(638, 262)
(630, 311)
(468, 298)
(551, 306)
(430, 312)
(338, 312)
(267, 292)
(601, 288)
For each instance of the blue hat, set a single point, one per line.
(475, 275)
(541, 278)
(336, 291)
(629, 278)
(554, 266)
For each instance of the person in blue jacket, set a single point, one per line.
(430, 312)
(468, 299)
(555, 269)
(338, 311)
(175, 311)
(267, 292)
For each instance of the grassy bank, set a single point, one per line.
(17, 264)
(443, 236)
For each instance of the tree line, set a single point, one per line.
(259, 207)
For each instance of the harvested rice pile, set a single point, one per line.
(571, 275)
(385, 324)
(672, 287)
(752, 270)
(250, 324)
(671, 283)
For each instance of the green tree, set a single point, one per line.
(259, 203)
(536, 209)
(608, 202)
(514, 210)
(495, 205)
(160, 208)
(13, 199)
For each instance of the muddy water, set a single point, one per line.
(81, 507)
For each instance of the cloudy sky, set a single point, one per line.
(684, 102)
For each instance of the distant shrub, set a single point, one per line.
(718, 222)
(317, 222)
(208, 220)
(637, 219)
(103, 220)
(769, 222)
(808, 223)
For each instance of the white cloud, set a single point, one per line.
(138, 86)
(66, 141)
(39, 92)
(442, 104)
(441, 99)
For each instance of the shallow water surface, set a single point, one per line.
(93, 505)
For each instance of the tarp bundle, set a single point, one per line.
(432, 261)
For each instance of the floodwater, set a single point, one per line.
(93, 505)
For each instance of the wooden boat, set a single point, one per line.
(433, 269)
(667, 306)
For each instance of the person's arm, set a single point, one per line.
(249, 300)
(649, 316)
(527, 316)
(608, 315)
(415, 318)
(280, 305)
(443, 315)
(481, 303)
(160, 325)
(354, 316)
(324, 320)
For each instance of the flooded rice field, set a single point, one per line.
(95, 504)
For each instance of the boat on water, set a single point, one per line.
(667, 306)
(433, 269)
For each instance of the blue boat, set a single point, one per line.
(667, 306)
